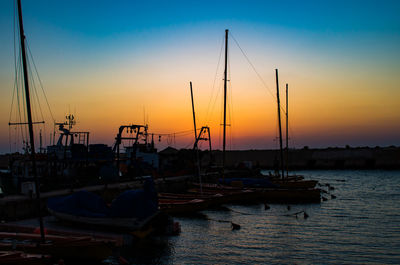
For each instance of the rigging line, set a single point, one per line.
(15, 68)
(180, 132)
(215, 77)
(252, 66)
(188, 145)
(40, 81)
(35, 100)
(230, 104)
(12, 101)
(215, 100)
(20, 84)
(17, 64)
(17, 85)
(231, 116)
(292, 137)
(32, 95)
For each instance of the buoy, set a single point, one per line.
(305, 215)
(266, 206)
(324, 199)
(333, 196)
(288, 207)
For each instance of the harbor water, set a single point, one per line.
(360, 226)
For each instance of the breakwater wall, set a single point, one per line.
(329, 158)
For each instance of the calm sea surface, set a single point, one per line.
(360, 226)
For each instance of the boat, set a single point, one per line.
(20, 257)
(225, 194)
(239, 193)
(57, 246)
(183, 206)
(128, 224)
(294, 183)
(130, 211)
(187, 196)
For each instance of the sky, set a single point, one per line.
(113, 63)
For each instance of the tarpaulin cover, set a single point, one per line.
(131, 203)
(81, 203)
(136, 203)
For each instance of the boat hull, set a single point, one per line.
(115, 223)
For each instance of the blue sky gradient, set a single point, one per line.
(335, 53)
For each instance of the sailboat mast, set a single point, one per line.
(279, 119)
(225, 79)
(29, 114)
(196, 140)
(194, 115)
(287, 130)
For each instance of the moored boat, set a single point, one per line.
(295, 184)
(57, 246)
(182, 206)
(130, 211)
(20, 257)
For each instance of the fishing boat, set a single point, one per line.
(130, 211)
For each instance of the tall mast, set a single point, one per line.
(287, 130)
(225, 79)
(195, 140)
(279, 119)
(194, 115)
(30, 124)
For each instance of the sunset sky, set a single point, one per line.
(123, 62)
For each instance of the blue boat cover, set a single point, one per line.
(250, 182)
(132, 203)
(136, 203)
(81, 203)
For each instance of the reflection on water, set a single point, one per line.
(362, 225)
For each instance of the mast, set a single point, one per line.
(195, 140)
(194, 115)
(225, 79)
(29, 114)
(287, 130)
(279, 119)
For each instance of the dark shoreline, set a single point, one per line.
(327, 158)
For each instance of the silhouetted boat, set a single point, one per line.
(266, 194)
(182, 206)
(130, 211)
